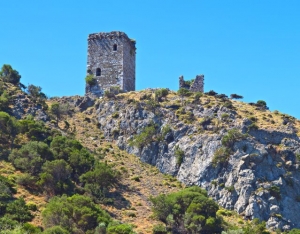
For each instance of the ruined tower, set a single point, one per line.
(195, 85)
(111, 61)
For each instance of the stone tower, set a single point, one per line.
(111, 61)
(195, 85)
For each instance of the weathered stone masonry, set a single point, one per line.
(197, 85)
(111, 60)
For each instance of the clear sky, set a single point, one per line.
(249, 47)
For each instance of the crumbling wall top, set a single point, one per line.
(195, 85)
(111, 35)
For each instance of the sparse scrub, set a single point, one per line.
(160, 93)
(211, 93)
(221, 155)
(275, 192)
(144, 138)
(115, 115)
(179, 154)
(90, 80)
(232, 136)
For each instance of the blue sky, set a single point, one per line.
(249, 47)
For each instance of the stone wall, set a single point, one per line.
(196, 85)
(117, 65)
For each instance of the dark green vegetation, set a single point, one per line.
(51, 165)
(90, 80)
(189, 211)
(222, 154)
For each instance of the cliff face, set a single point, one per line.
(258, 178)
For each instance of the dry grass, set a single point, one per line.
(138, 180)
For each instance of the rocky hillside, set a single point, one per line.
(101, 159)
(244, 155)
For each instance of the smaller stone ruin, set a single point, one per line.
(194, 85)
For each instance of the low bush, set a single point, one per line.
(159, 229)
(221, 155)
(275, 191)
(232, 136)
(90, 80)
(144, 138)
(189, 210)
(179, 154)
(76, 214)
(211, 93)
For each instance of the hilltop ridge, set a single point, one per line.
(244, 155)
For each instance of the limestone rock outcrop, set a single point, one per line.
(260, 178)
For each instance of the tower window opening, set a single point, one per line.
(98, 72)
(115, 47)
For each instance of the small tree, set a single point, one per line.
(211, 93)
(36, 93)
(144, 138)
(236, 96)
(76, 214)
(30, 157)
(182, 92)
(179, 154)
(161, 93)
(58, 110)
(99, 180)
(4, 101)
(18, 210)
(261, 103)
(55, 177)
(8, 74)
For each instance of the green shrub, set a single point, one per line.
(252, 126)
(116, 228)
(131, 214)
(252, 118)
(76, 214)
(160, 93)
(179, 154)
(228, 104)
(159, 229)
(295, 231)
(190, 207)
(275, 191)
(29, 228)
(8, 74)
(99, 180)
(261, 103)
(221, 155)
(144, 138)
(183, 92)
(236, 96)
(32, 206)
(232, 136)
(19, 211)
(136, 178)
(165, 130)
(211, 93)
(230, 189)
(90, 80)
(197, 95)
(55, 177)
(224, 116)
(115, 115)
(30, 157)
